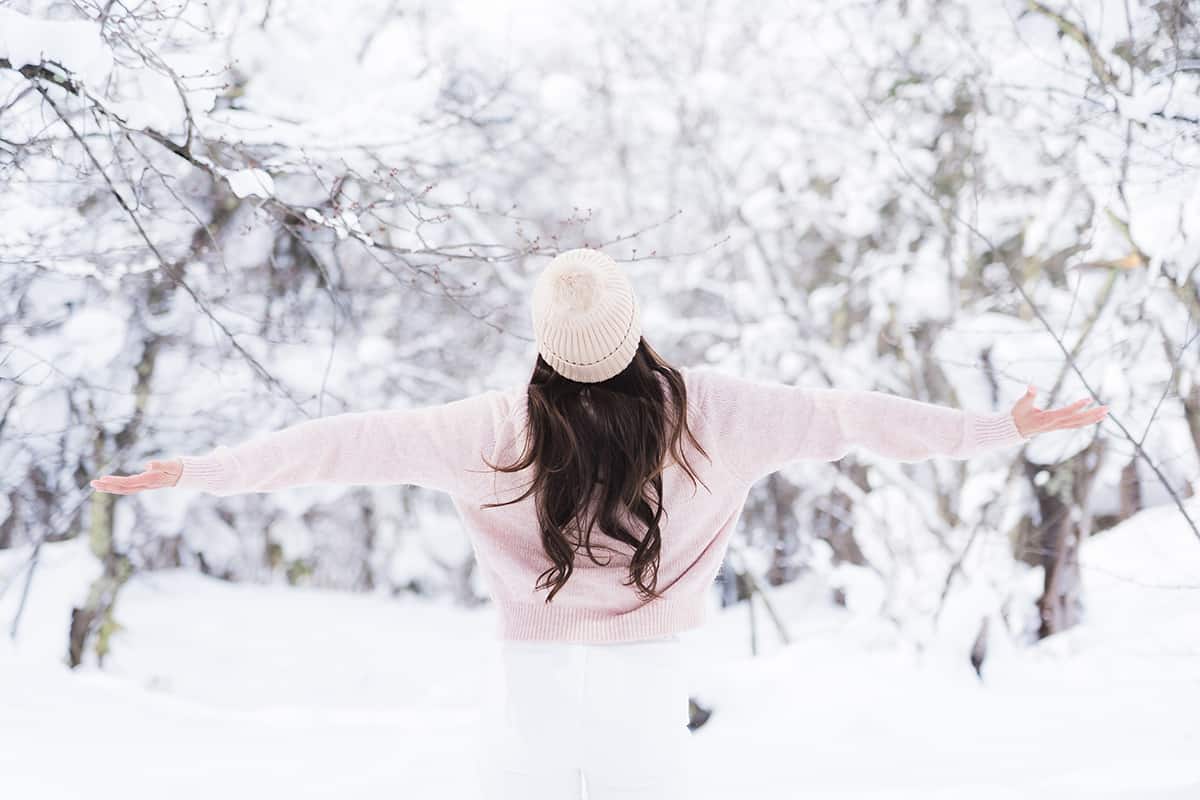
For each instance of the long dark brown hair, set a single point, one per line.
(611, 436)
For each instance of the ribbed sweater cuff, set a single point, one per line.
(993, 429)
(208, 473)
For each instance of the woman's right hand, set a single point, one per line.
(158, 475)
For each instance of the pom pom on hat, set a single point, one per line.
(576, 289)
(586, 318)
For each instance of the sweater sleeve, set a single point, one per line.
(432, 446)
(764, 425)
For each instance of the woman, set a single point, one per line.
(599, 515)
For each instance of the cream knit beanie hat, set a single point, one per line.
(586, 318)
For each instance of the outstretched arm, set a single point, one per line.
(432, 446)
(769, 424)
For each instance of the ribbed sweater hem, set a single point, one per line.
(211, 473)
(542, 621)
(991, 429)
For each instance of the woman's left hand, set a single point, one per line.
(158, 475)
(1031, 421)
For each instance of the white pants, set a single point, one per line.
(569, 720)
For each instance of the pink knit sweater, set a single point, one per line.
(749, 427)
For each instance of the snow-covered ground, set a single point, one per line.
(238, 691)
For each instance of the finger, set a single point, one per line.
(121, 477)
(125, 482)
(109, 488)
(1089, 417)
(142, 482)
(1080, 403)
(116, 490)
(1066, 412)
(107, 481)
(116, 480)
(1025, 400)
(1055, 417)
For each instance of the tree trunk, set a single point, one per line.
(1131, 490)
(783, 497)
(96, 618)
(1055, 544)
(833, 522)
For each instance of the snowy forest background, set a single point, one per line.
(223, 218)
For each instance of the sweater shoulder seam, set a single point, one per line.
(705, 409)
(513, 397)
